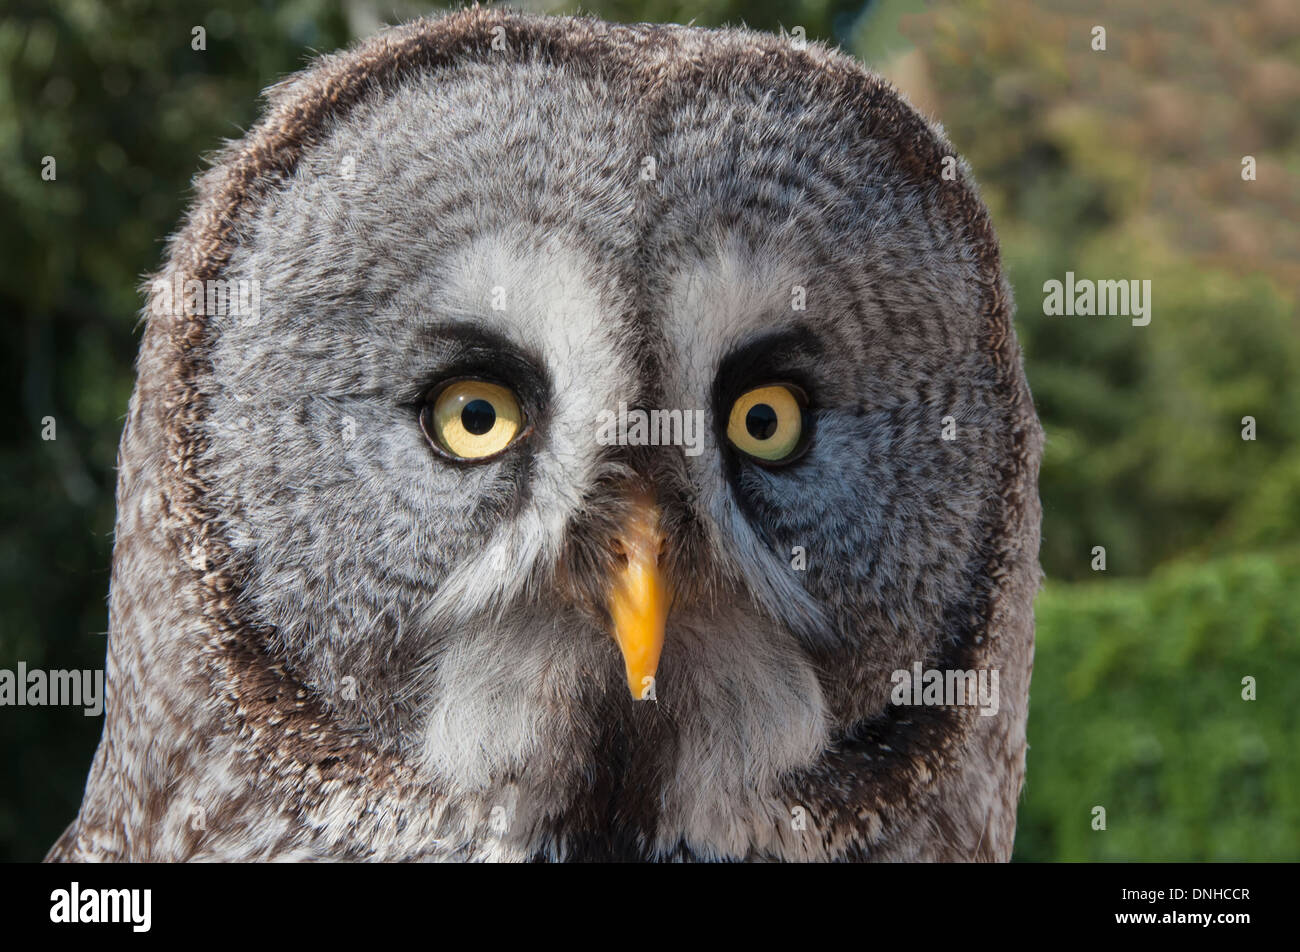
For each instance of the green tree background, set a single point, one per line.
(1119, 163)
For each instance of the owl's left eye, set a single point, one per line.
(768, 423)
(471, 419)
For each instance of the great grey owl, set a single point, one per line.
(556, 440)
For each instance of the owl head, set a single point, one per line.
(587, 423)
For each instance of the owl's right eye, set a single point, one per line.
(469, 419)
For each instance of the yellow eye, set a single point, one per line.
(767, 422)
(472, 419)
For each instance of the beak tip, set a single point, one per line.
(642, 689)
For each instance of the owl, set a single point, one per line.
(563, 441)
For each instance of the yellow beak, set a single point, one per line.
(639, 596)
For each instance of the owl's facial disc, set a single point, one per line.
(639, 595)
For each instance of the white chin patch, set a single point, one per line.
(751, 710)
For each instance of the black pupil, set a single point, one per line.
(761, 421)
(478, 417)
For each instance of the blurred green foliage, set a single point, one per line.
(1137, 706)
(1116, 164)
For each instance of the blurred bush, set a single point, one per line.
(1115, 164)
(1136, 706)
